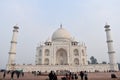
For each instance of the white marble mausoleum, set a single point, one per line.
(61, 52)
(61, 49)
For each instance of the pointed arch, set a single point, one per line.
(76, 61)
(46, 61)
(47, 52)
(76, 52)
(61, 57)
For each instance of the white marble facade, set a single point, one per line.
(62, 52)
(61, 49)
(72, 68)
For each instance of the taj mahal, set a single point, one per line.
(62, 52)
(61, 49)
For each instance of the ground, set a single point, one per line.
(91, 76)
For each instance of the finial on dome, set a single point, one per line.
(60, 25)
(106, 25)
(16, 26)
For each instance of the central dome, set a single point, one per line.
(61, 33)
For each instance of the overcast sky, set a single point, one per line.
(38, 19)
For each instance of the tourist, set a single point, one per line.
(51, 75)
(85, 75)
(18, 74)
(81, 75)
(67, 77)
(76, 76)
(12, 74)
(22, 74)
(54, 76)
(113, 75)
(72, 77)
(4, 74)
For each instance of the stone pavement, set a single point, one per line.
(91, 76)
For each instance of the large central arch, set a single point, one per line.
(61, 57)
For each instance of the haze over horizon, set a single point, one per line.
(38, 19)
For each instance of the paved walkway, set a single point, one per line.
(91, 76)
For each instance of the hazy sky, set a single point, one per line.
(38, 19)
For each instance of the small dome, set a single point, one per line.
(61, 33)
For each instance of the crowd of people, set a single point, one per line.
(12, 73)
(82, 75)
(52, 75)
(69, 76)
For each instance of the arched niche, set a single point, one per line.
(76, 61)
(61, 57)
(76, 53)
(47, 52)
(46, 61)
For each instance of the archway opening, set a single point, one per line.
(61, 57)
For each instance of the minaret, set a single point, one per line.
(12, 53)
(111, 51)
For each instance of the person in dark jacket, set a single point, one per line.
(4, 74)
(51, 75)
(54, 76)
(18, 74)
(81, 75)
(12, 74)
(113, 75)
(76, 76)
